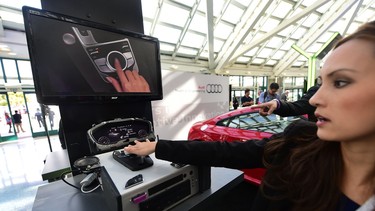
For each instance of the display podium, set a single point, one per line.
(58, 196)
(163, 186)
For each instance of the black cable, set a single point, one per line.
(62, 178)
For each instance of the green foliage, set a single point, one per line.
(15, 99)
(3, 100)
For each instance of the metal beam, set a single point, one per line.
(350, 20)
(156, 17)
(240, 33)
(285, 24)
(186, 26)
(210, 34)
(281, 27)
(328, 19)
(214, 23)
(268, 15)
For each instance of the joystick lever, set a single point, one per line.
(132, 161)
(141, 159)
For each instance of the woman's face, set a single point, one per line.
(346, 99)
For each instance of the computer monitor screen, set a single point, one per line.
(75, 60)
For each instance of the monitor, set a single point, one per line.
(78, 61)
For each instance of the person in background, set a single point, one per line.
(8, 120)
(270, 94)
(284, 95)
(257, 99)
(235, 103)
(39, 117)
(17, 118)
(283, 108)
(329, 165)
(51, 116)
(246, 100)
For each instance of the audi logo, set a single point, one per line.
(214, 88)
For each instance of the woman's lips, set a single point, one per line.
(321, 119)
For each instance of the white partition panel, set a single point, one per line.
(188, 98)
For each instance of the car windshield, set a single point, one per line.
(254, 121)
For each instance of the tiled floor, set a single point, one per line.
(21, 165)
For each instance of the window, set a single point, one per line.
(234, 81)
(248, 81)
(2, 72)
(254, 121)
(10, 70)
(24, 69)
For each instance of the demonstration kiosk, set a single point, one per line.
(81, 53)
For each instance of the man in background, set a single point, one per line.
(284, 95)
(39, 117)
(299, 107)
(235, 103)
(270, 94)
(246, 100)
(17, 121)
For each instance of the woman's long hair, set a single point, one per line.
(303, 169)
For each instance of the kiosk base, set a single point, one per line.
(163, 186)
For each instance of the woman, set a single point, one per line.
(343, 124)
(8, 120)
(327, 166)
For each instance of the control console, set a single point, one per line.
(119, 133)
(160, 187)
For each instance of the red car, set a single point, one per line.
(241, 125)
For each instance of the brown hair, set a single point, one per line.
(301, 168)
(364, 32)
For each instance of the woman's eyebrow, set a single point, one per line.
(340, 70)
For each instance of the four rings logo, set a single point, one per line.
(214, 88)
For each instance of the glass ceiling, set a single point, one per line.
(243, 37)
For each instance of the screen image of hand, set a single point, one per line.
(266, 108)
(130, 81)
(141, 148)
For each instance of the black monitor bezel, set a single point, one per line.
(114, 97)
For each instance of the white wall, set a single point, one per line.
(186, 101)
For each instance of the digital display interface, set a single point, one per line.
(112, 133)
(79, 61)
(118, 133)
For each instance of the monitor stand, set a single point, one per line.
(131, 161)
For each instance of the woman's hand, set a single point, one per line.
(141, 148)
(266, 108)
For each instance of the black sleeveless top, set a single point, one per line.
(347, 204)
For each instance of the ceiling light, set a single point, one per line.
(4, 49)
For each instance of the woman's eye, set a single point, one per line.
(340, 83)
